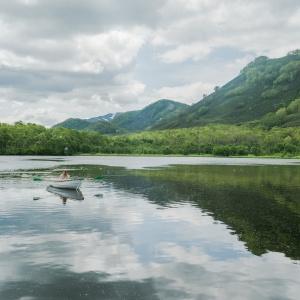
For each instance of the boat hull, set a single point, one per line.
(66, 193)
(66, 184)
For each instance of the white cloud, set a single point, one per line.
(10, 59)
(294, 19)
(81, 102)
(195, 51)
(238, 64)
(188, 93)
(111, 50)
(28, 2)
(196, 28)
(54, 54)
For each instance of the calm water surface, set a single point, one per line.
(200, 228)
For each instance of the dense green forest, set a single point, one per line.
(35, 139)
(286, 116)
(223, 140)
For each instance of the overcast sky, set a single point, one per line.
(75, 58)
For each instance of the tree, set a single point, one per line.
(294, 52)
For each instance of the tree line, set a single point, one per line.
(32, 139)
(221, 140)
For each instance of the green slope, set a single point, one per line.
(73, 123)
(80, 124)
(104, 127)
(148, 116)
(287, 116)
(262, 87)
(129, 121)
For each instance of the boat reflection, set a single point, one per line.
(66, 194)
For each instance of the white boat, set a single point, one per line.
(71, 184)
(66, 193)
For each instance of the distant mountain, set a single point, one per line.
(74, 123)
(108, 117)
(263, 86)
(105, 127)
(83, 124)
(127, 121)
(264, 92)
(149, 116)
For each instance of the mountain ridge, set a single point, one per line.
(263, 86)
(256, 95)
(130, 121)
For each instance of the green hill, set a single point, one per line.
(72, 123)
(261, 93)
(104, 127)
(128, 121)
(263, 86)
(148, 116)
(80, 124)
(287, 116)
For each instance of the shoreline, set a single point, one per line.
(159, 155)
(191, 155)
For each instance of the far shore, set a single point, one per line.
(275, 156)
(193, 155)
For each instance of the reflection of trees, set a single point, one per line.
(64, 284)
(261, 204)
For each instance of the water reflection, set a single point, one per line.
(173, 233)
(261, 204)
(66, 194)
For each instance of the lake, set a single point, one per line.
(150, 228)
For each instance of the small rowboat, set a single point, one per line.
(66, 193)
(71, 184)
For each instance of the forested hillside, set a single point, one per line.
(101, 126)
(74, 123)
(262, 87)
(35, 139)
(286, 116)
(262, 92)
(148, 116)
(128, 121)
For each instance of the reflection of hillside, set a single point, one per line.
(261, 204)
(278, 182)
(64, 284)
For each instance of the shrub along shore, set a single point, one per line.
(220, 140)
